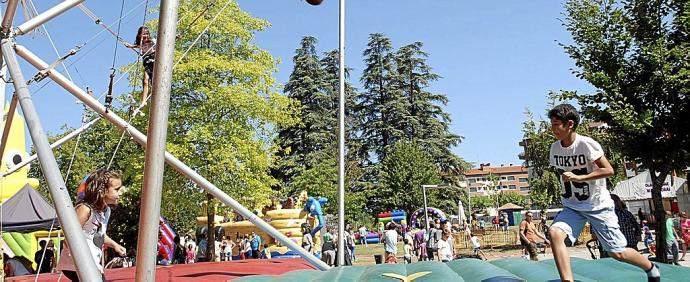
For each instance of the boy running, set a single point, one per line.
(583, 168)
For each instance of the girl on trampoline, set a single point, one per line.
(101, 189)
(147, 45)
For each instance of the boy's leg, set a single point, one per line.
(567, 225)
(605, 225)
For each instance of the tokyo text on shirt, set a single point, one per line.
(579, 158)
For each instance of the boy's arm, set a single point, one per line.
(603, 170)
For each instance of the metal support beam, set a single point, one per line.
(83, 260)
(46, 16)
(8, 18)
(341, 136)
(154, 164)
(8, 124)
(58, 143)
(169, 158)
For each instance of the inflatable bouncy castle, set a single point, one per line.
(286, 221)
(397, 216)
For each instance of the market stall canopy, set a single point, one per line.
(27, 211)
(640, 187)
(510, 206)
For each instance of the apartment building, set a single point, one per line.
(510, 178)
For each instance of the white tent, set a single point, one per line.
(640, 187)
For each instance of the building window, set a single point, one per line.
(473, 189)
(503, 178)
(511, 177)
(512, 187)
(523, 179)
(472, 180)
(525, 188)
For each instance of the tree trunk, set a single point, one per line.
(659, 213)
(210, 225)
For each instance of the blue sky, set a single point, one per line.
(497, 58)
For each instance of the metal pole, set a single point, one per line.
(341, 138)
(426, 213)
(8, 18)
(46, 16)
(8, 124)
(83, 260)
(169, 158)
(154, 164)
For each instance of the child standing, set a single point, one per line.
(582, 168)
(307, 240)
(477, 247)
(101, 190)
(407, 251)
(190, 254)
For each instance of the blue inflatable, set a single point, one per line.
(313, 206)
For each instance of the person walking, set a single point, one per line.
(671, 237)
(684, 232)
(529, 235)
(628, 225)
(420, 245)
(255, 244)
(44, 258)
(431, 243)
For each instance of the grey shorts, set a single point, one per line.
(604, 222)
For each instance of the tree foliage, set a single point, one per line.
(224, 109)
(545, 188)
(635, 53)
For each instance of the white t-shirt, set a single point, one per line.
(475, 242)
(444, 251)
(390, 240)
(579, 159)
(363, 231)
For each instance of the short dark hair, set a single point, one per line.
(564, 113)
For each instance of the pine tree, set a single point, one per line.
(426, 123)
(381, 103)
(303, 144)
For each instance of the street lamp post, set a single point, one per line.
(426, 213)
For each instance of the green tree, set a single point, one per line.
(304, 144)
(545, 187)
(381, 104)
(634, 53)
(426, 122)
(403, 173)
(224, 112)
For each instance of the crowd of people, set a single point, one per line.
(188, 250)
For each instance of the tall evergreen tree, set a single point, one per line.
(304, 143)
(381, 103)
(425, 123)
